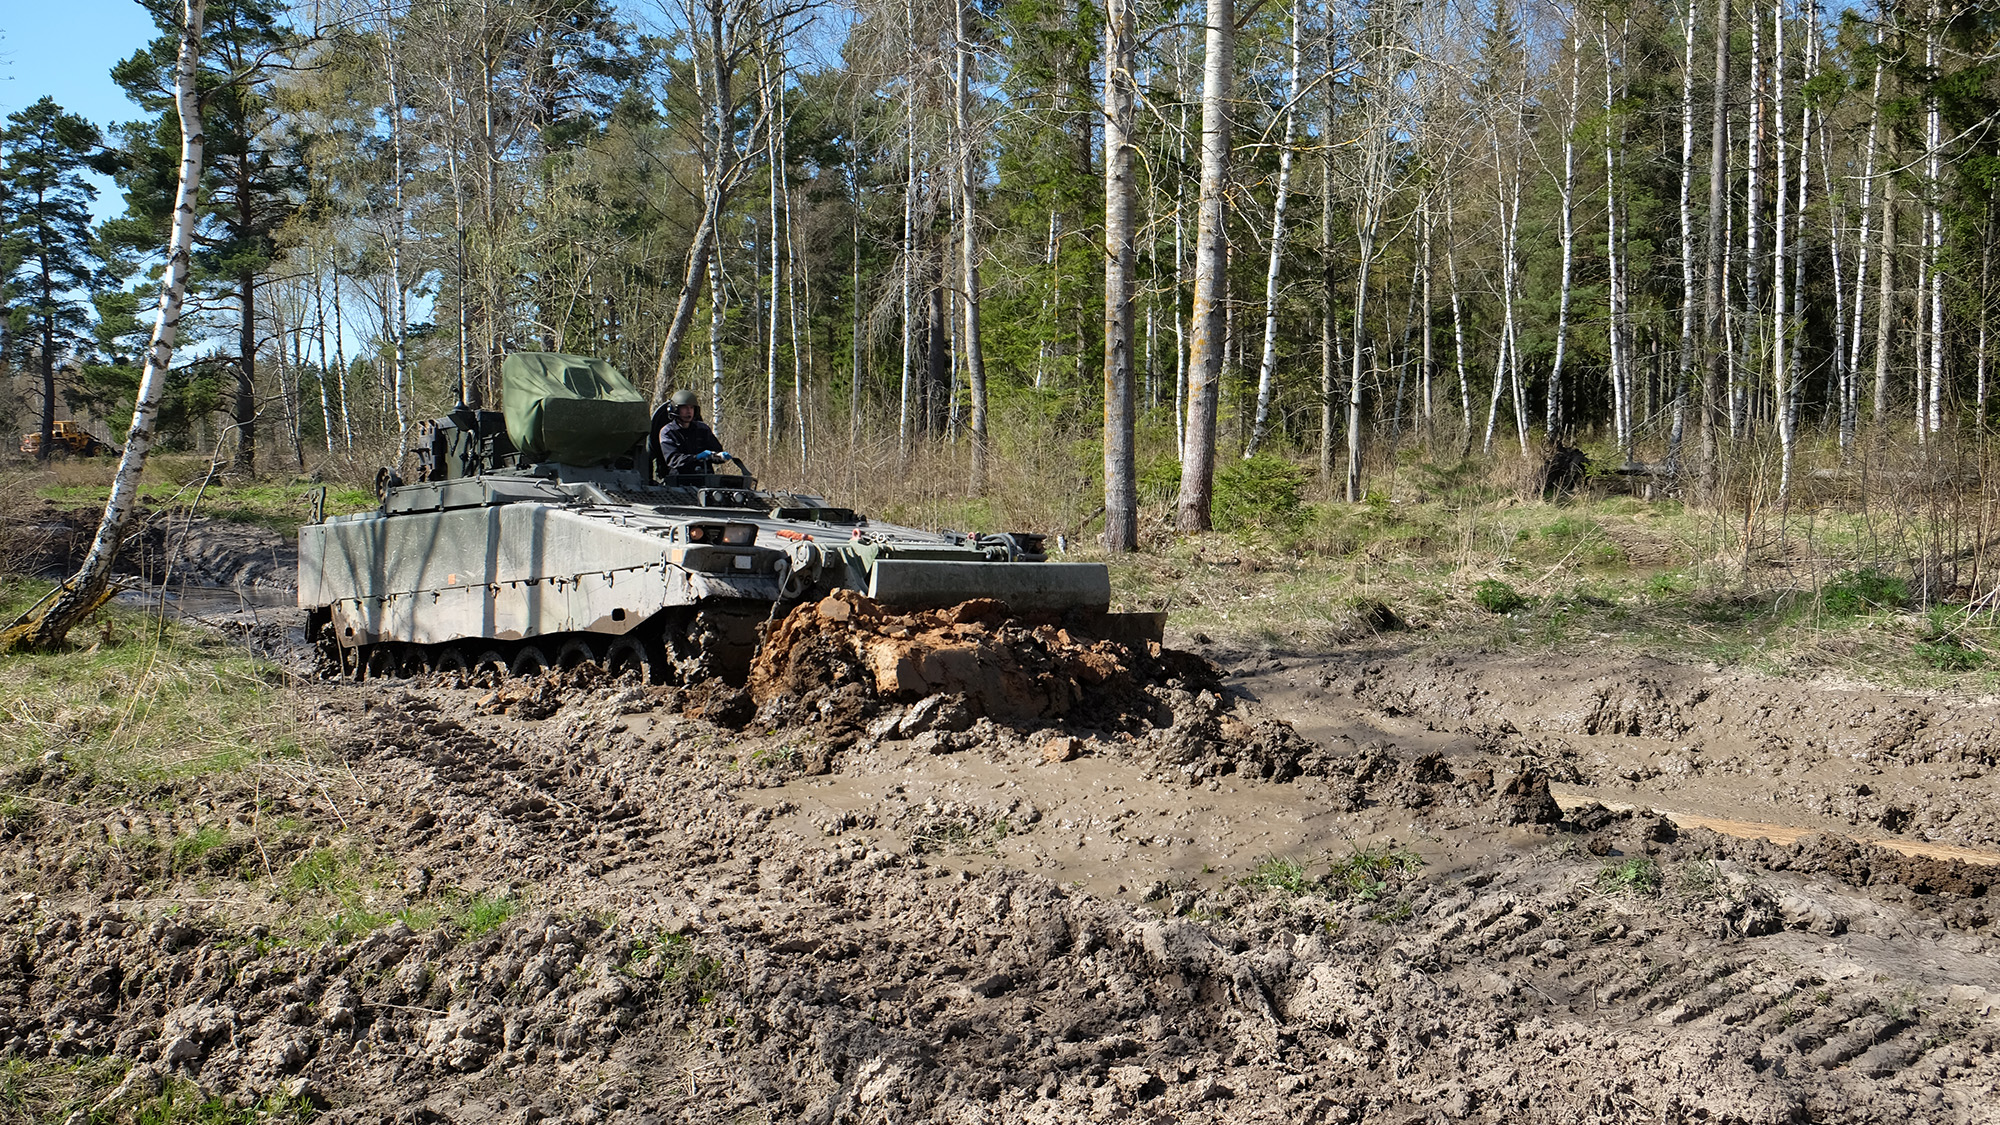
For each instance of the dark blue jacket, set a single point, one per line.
(679, 443)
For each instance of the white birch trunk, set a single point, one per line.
(83, 592)
(1934, 245)
(1850, 407)
(1121, 501)
(968, 249)
(1211, 254)
(909, 227)
(340, 362)
(1568, 191)
(1268, 363)
(1753, 212)
(774, 108)
(1457, 330)
(1781, 352)
(1684, 370)
(1621, 375)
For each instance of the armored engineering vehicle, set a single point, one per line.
(549, 534)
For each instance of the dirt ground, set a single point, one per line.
(1054, 891)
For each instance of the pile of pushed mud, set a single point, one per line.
(973, 674)
(1004, 667)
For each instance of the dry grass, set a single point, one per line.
(138, 699)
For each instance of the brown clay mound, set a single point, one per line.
(1010, 669)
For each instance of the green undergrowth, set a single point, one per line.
(173, 482)
(136, 700)
(76, 1090)
(1366, 874)
(1467, 568)
(1636, 876)
(339, 893)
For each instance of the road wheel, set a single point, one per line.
(384, 663)
(575, 651)
(530, 660)
(632, 655)
(490, 668)
(452, 665)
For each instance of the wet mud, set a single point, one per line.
(1049, 878)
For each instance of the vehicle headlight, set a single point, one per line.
(739, 534)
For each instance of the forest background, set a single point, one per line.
(1056, 263)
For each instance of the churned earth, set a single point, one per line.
(960, 867)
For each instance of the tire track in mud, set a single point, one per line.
(687, 959)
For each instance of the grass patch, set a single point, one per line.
(1495, 596)
(210, 848)
(282, 507)
(1699, 879)
(676, 959)
(1635, 876)
(17, 815)
(181, 1102)
(1855, 592)
(959, 835)
(138, 700)
(1282, 874)
(330, 887)
(1368, 872)
(49, 1090)
(483, 913)
(323, 871)
(1365, 874)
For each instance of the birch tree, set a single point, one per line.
(1267, 365)
(721, 34)
(1121, 501)
(83, 592)
(1713, 346)
(968, 240)
(1211, 259)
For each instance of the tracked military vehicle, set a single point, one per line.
(549, 534)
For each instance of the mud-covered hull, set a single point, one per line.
(510, 572)
(496, 565)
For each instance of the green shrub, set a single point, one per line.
(1159, 482)
(1669, 584)
(1261, 493)
(1855, 592)
(480, 914)
(1949, 655)
(1495, 596)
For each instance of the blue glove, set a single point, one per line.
(725, 456)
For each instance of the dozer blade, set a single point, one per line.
(1025, 587)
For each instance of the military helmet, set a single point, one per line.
(684, 397)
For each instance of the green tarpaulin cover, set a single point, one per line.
(570, 408)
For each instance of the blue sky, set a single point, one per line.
(65, 50)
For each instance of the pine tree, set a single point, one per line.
(253, 181)
(45, 240)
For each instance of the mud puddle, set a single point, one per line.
(202, 604)
(1914, 771)
(1103, 826)
(1571, 798)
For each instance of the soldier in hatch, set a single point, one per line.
(687, 445)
